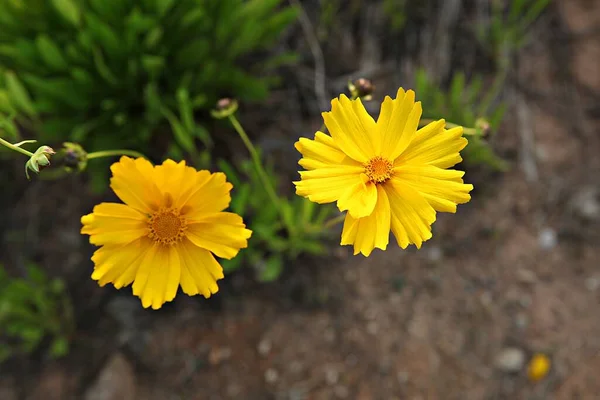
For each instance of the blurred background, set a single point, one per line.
(502, 303)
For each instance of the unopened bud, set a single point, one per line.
(361, 88)
(39, 160)
(482, 126)
(74, 157)
(224, 108)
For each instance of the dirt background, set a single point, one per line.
(516, 268)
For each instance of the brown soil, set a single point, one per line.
(516, 267)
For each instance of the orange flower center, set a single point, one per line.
(378, 169)
(167, 226)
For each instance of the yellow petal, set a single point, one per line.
(348, 131)
(359, 199)
(113, 223)
(199, 270)
(147, 265)
(396, 130)
(224, 234)
(442, 188)
(210, 194)
(435, 146)
(412, 215)
(326, 185)
(321, 152)
(369, 232)
(118, 263)
(178, 180)
(133, 182)
(383, 121)
(163, 279)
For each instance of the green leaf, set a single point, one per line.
(153, 65)
(103, 34)
(59, 347)
(69, 10)
(272, 269)
(182, 136)
(5, 104)
(18, 94)
(51, 53)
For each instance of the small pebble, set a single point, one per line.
(526, 276)
(592, 283)
(332, 375)
(510, 359)
(547, 238)
(271, 376)
(264, 347)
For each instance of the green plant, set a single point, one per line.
(506, 30)
(111, 74)
(272, 245)
(33, 309)
(468, 105)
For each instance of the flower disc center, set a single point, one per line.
(378, 169)
(166, 227)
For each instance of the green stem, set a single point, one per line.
(334, 221)
(258, 165)
(112, 153)
(16, 148)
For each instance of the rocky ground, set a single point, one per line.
(514, 272)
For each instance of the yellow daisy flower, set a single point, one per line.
(387, 175)
(165, 234)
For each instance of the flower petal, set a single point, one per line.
(397, 128)
(326, 185)
(177, 180)
(321, 152)
(435, 146)
(118, 263)
(369, 232)
(210, 194)
(148, 265)
(442, 188)
(133, 182)
(199, 270)
(163, 280)
(412, 215)
(359, 199)
(348, 131)
(113, 223)
(224, 234)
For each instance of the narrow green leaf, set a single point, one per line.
(51, 53)
(69, 10)
(19, 96)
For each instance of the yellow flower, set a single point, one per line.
(538, 367)
(387, 174)
(164, 235)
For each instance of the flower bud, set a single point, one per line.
(224, 108)
(73, 156)
(482, 126)
(361, 88)
(39, 160)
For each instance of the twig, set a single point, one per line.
(315, 49)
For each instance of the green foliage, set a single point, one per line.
(465, 104)
(111, 74)
(271, 245)
(33, 309)
(506, 31)
(395, 10)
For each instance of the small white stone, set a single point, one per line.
(510, 359)
(271, 376)
(547, 238)
(264, 347)
(592, 283)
